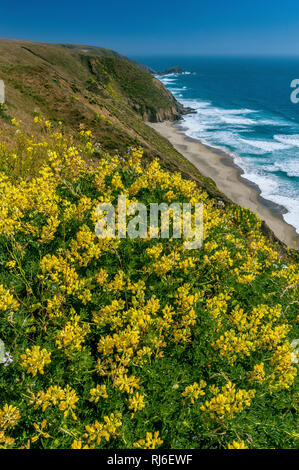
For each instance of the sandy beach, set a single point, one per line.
(221, 168)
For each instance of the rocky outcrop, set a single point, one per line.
(173, 113)
(175, 69)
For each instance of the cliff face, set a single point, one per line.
(177, 109)
(48, 78)
(146, 95)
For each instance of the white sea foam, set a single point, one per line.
(195, 104)
(236, 120)
(275, 122)
(271, 190)
(175, 89)
(290, 139)
(167, 81)
(265, 145)
(289, 166)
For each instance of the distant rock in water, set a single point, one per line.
(175, 69)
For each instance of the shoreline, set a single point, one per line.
(221, 168)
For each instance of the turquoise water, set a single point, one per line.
(243, 106)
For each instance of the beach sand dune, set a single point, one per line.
(221, 169)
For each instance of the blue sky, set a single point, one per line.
(191, 27)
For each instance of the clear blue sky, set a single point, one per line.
(196, 27)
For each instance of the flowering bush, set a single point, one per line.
(124, 343)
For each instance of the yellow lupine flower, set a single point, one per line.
(104, 430)
(98, 392)
(35, 359)
(228, 402)
(9, 416)
(237, 445)
(7, 300)
(72, 335)
(192, 392)
(126, 384)
(258, 374)
(136, 403)
(77, 444)
(65, 398)
(151, 441)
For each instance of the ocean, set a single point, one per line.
(243, 106)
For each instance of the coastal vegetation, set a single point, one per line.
(136, 342)
(130, 343)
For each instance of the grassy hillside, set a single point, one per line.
(95, 88)
(92, 86)
(121, 343)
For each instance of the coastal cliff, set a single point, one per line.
(99, 89)
(96, 88)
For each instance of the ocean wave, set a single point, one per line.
(195, 104)
(288, 167)
(176, 89)
(271, 190)
(290, 139)
(265, 145)
(275, 122)
(216, 117)
(208, 108)
(167, 81)
(239, 121)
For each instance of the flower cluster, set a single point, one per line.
(35, 359)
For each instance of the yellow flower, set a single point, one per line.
(237, 445)
(11, 264)
(72, 335)
(101, 277)
(136, 403)
(98, 392)
(228, 402)
(258, 374)
(35, 359)
(9, 416)
(41, 432)
(192, 392)
(151, 441)
(65, 399)
(106, 429)
(125, 383)
(7, 300)
(77, 444)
